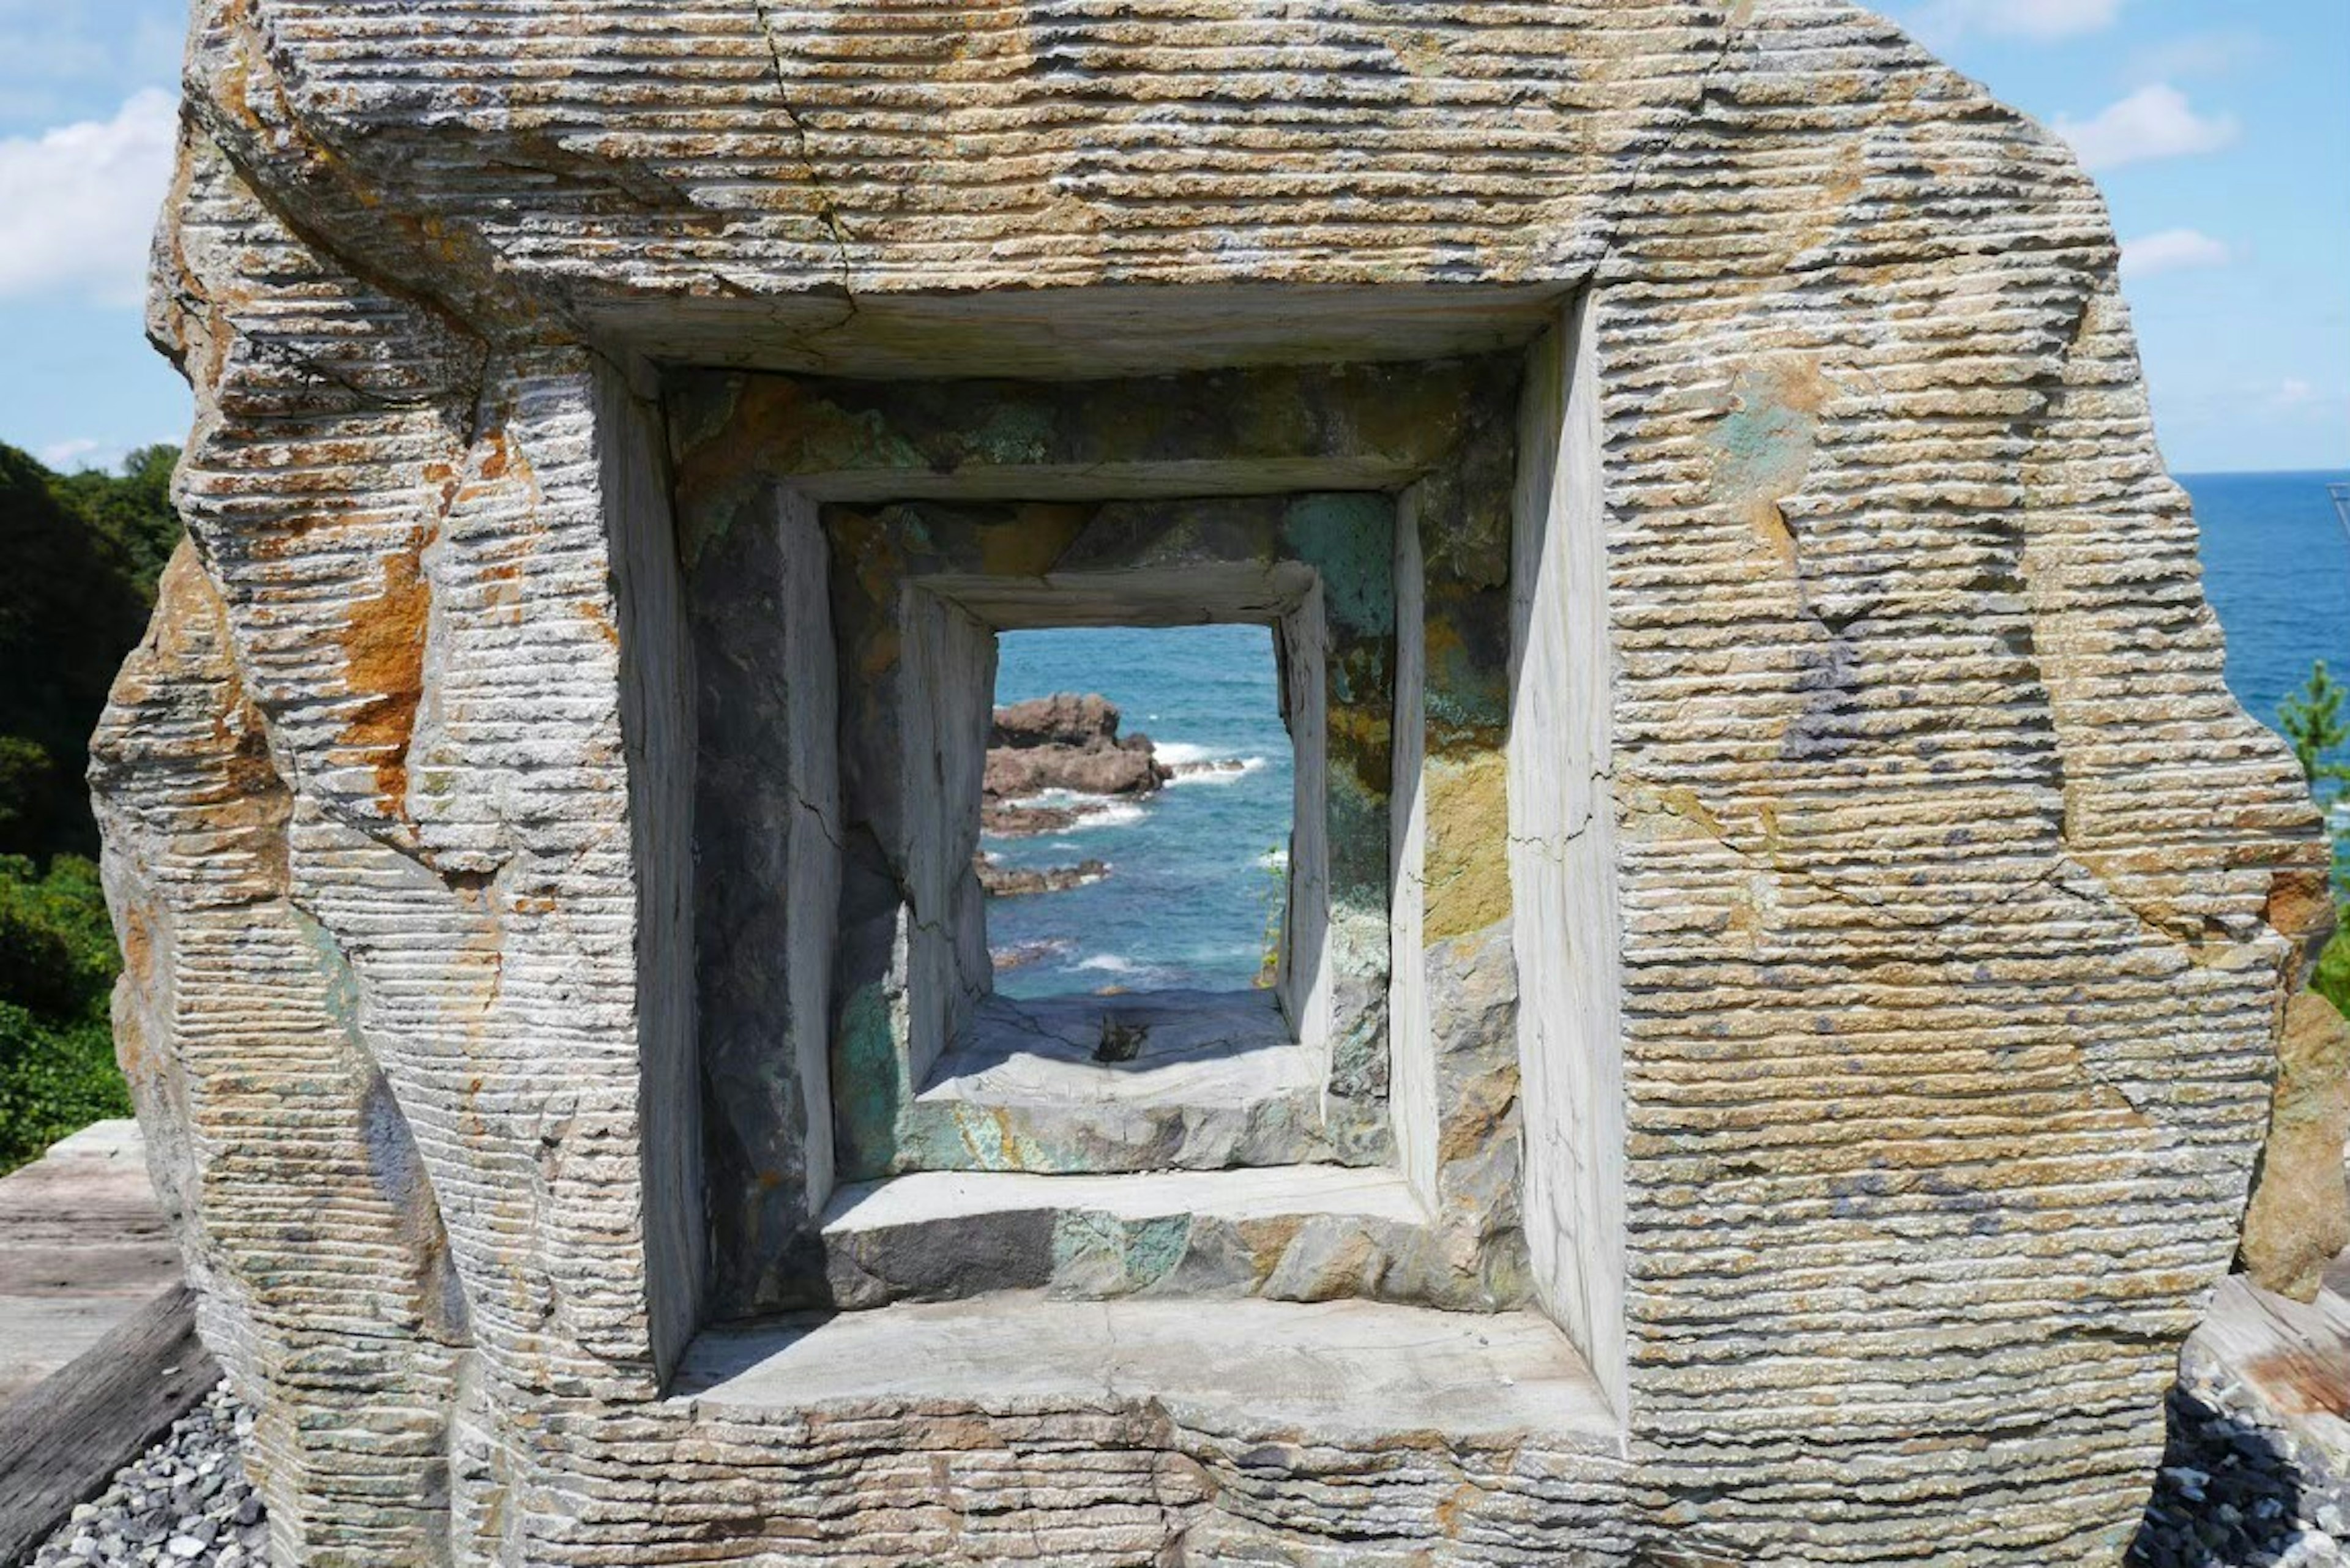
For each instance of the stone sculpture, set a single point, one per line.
(1788, 933)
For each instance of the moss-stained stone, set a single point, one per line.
(1349, 540)
(868, 1083)
(1098, 1255)
(1386, 423)
(1763, 441)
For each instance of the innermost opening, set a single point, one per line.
(1136, 823)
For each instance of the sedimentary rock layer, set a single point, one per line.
(1961, 906)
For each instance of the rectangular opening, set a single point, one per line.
(1159, 1026)
(1136, 813)
(1351, 1130)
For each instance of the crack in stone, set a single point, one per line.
(828, 213)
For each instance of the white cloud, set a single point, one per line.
(2155, 121)
(2174, 250)
(79, 202)
(2195, 54)
(2293, 392)
(1945, 22)
(80, 453)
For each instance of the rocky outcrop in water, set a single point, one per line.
(1010, 882)
(1067, 742)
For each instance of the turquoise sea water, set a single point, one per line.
(1192, 883)
(1188, 892)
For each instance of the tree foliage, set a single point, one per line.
(83, 555)
(84, 552)
(2316, 720)
(57, 963)
(2316, 725)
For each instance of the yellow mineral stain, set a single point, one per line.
(1770, 526)
(1683, 802)
(1027, 547)
(1468, 844)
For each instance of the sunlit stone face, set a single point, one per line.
(1805, 931)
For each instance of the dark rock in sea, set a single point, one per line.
(1025, 821)
(1067, 742)
(1005, 882)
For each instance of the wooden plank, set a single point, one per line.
(2292, 1358)
(83, 1245)
(62, 1440)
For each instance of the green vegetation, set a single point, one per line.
(1274, 893)
(84, 551)
(2317, 725)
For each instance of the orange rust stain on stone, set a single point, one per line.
(383, 658)
(1454, 1509)
(1482, 1106)
(592, 614)
(2299, 904)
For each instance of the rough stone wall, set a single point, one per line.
(1951, 874)
(1949, 985)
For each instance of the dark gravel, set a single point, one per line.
(2237, 1489)
(183, 1503)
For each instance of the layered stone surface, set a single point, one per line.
(1839, 931)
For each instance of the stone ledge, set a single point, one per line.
(1341, 1370)
(1292, 1232)
(1193, 1081)
(1259, 1193)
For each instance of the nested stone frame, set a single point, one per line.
(943, 1075)
(1840, 929)
(897, 1060)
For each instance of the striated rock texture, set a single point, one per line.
(1897, 965)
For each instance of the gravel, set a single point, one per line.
(185, 1503)
(2236, 1490)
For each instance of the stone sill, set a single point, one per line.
(1342, 1370)
(1208, 1047)
(1304, 1233)
(959, 1198)
(1213, 1079)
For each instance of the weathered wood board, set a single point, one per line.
(82, 1247)
(61, 1442)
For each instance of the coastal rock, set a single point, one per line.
(1067, 742)
(1009, 882)
(2300, 1214)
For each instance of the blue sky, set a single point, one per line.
(2220, 129)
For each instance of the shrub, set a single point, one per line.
(57, 965)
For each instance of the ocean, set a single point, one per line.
(2276, 567)
(1194, 881)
